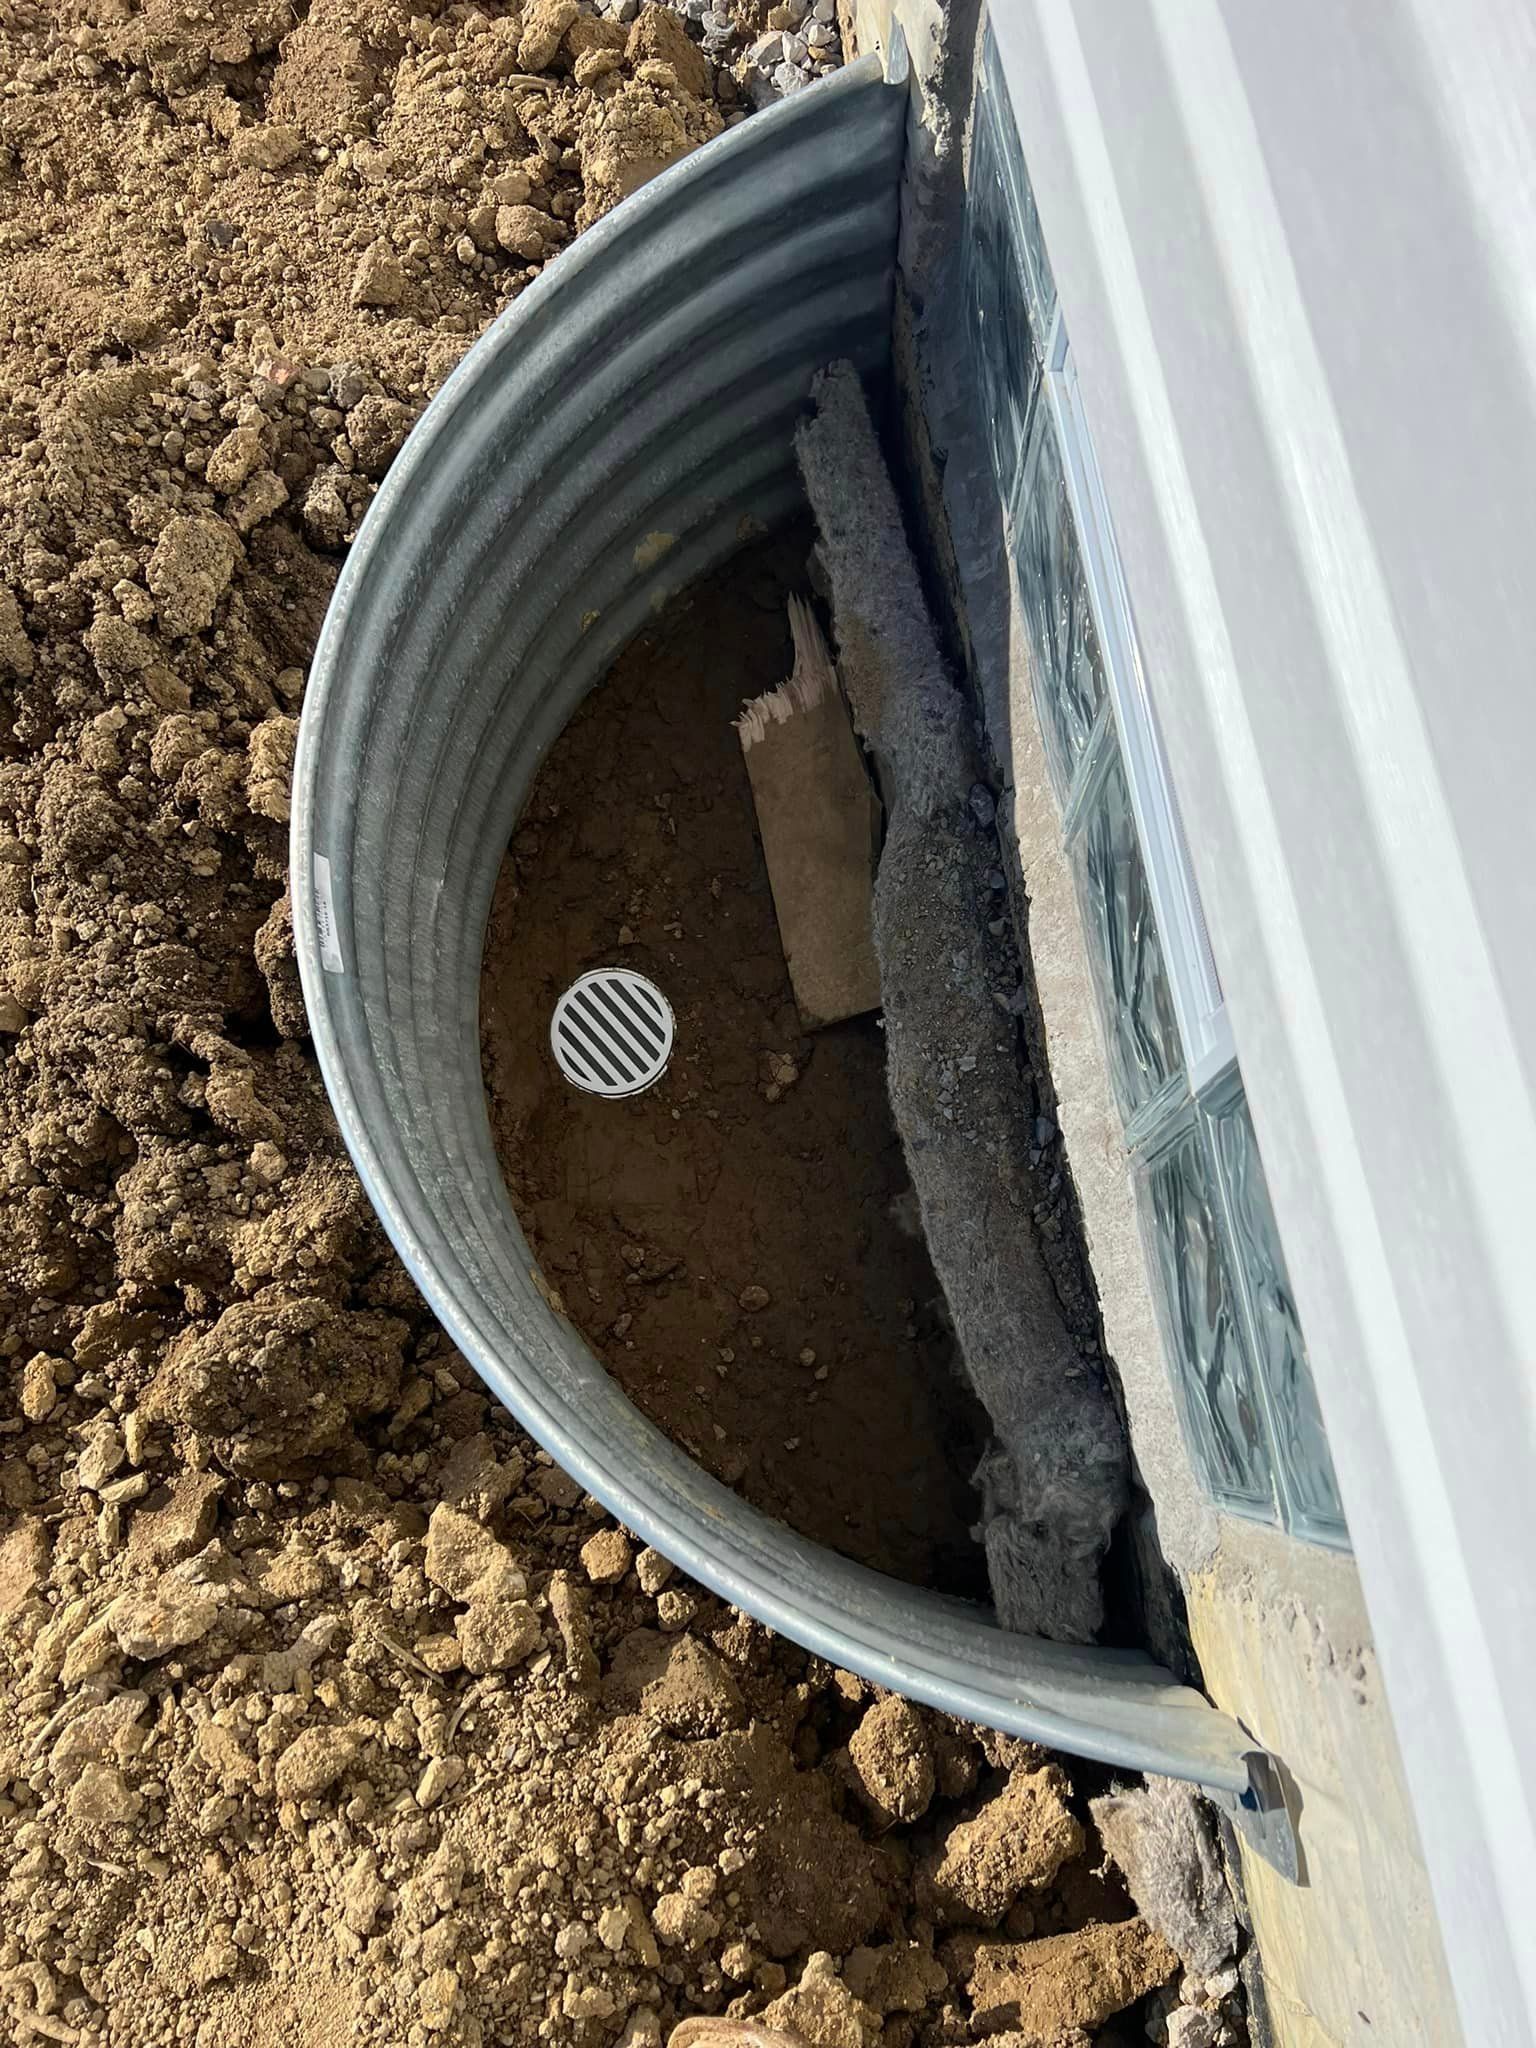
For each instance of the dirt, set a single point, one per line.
(329, 1710)
(738, 1243)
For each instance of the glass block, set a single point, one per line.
(1007, 352)
(1214, 1380)
(1039, 283)
(1053, 594)
(1305, 1469)
(1123, 946)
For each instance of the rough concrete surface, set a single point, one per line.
(1055, 1480)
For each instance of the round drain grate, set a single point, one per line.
(611, 1033)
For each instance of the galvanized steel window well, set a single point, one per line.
(1241, 1377)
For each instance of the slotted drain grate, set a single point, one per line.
(611, 1033)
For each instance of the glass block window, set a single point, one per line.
(1007, 345)
(1203, 1320)
(1127, 960)
(1054, 593)
(1304, 1466)
(1242, 1380)
(1039, 284)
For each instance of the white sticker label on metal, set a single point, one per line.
(325, 918)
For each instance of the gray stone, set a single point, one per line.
(1161, 1838)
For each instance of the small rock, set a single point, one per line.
(983, 805)
(363, 1896)
(643, 2027)
(376, 430)
(579, 2001)
(496, 1634)
(605, 1557)
(269, 768)
(474, 1480)
(592, 65)
(102, 1797)
(438, 1779)
(39, 1391)
(314, 1761)
(378, 279)
(1190, 2026)
(613, 1928)
(23, 1564)
(326, 514)
(265, 494)
(683, 1922)
(267, 1164)
(88, 1646)
(568, 1605)
(221, 1749)
(524, 231)
(653, 1570)
(778, 1073)
(267, 147)
(239, 455)
(161, 1618)
(544, 27)
(218, 1961)
(822, 2009)
(437, 2000)
(120, 1493)
(102, 1456)
(753, 1299)
(110, 1732)
(440, 1654)
(510, 188)
(180, 1527)
(467, 1561)
(675, 1609)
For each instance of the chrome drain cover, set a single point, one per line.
(612, 1032)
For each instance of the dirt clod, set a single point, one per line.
(1037, 1990)
(1019, 1840)
(892, 1761)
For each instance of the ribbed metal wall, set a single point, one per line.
(614, 435)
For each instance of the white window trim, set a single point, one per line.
(1199, 1006)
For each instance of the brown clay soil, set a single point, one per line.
(736, 1243)
(330, 1711)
